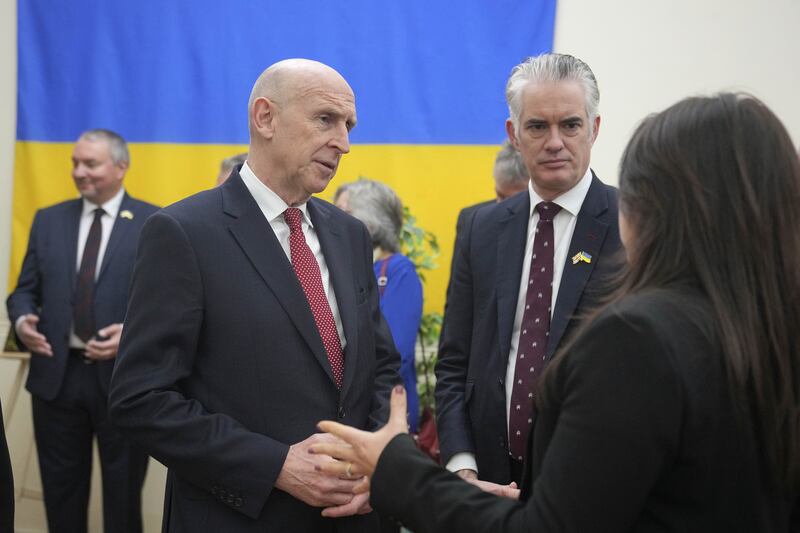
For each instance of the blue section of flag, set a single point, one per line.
(424, 72)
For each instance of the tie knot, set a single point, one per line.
(547, 210)
(293, 216)
(98, 213)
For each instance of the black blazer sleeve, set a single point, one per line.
(606, 450)
(451, 394)
(27, 297)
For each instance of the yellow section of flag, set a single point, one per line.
(435, 182)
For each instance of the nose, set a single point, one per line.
(78, 171)
(554, 142)
(341, 139)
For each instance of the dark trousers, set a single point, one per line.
(64, 430)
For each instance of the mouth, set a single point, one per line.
(327, 164)
(554, 163)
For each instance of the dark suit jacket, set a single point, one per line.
(46, 284)
(637, 433)
(463, 221)
(222, 367)
(466, 214)
(479, 317)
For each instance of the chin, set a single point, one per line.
(557, 180)
(321, 184)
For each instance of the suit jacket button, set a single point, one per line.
(230, 499)
(214, 490)
(238, 502)
(341, 412)
(500, 382)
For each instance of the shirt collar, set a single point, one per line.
(268, 201)
(570, 201)
(111, 207)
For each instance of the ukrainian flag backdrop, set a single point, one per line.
(173, 78)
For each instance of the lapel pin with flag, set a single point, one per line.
(126, 214)
(581, 256)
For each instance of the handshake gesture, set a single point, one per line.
(356, 452)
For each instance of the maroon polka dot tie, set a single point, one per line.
(307, 269)
(534, 330)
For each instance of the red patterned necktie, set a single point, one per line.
(307, 269)
(534, 330)
(83, 310)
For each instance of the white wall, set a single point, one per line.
(647, 55)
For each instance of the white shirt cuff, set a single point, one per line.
(18, 322)
(462, 461)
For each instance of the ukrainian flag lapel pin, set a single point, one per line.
(126, 214)
(581, 256)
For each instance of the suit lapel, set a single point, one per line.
(119, 231)
(340, 271)
(254, 235)
(512, 234)
(588, 237)
(71, 227)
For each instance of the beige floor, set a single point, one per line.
(30, 516)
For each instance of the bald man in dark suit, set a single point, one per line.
(261, 320)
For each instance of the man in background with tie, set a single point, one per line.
(254, 314)
(68, 309)
(526, 271)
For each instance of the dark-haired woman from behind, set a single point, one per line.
(677, 408)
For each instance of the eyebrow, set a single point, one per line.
(351, 123)
(573, 118)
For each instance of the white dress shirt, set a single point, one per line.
(563, 228)
(273, 206)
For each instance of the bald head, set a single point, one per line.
(291, 78)
(300, 116)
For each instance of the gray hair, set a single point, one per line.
(229, 162)
(508, 166)
(551, 68)
(116, 144)
(379, 208)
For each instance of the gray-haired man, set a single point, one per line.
(525, 269)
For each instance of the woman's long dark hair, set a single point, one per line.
(711, 190)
